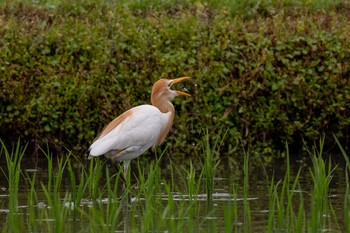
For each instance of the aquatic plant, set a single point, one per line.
(278, 76)
(211, 152)
(12, 173)
(284, 212)
(76, 196)
(346, 205)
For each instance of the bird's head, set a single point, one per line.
(161, 91)
(161, 88)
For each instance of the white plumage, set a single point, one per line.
(136, 134)
(136, 130)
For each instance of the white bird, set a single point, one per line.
(136, 130)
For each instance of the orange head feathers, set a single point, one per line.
(162, 94)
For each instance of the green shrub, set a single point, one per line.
(68, 69)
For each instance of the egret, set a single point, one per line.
(136, 130)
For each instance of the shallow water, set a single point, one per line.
(228, 180)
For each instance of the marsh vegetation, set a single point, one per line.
(203, 193)
(262, 145)
(278, 75)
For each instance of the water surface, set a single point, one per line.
(228, 188)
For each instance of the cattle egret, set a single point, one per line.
(136, 130)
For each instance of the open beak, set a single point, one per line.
(178, 80)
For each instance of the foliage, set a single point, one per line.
(69, 195)
(68, 68)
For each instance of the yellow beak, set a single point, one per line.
(177, 80)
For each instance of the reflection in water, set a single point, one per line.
(228, 190)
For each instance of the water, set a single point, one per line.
(228, 180)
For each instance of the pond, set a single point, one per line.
(172, 195)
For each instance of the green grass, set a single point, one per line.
(73, 66)
(247, 213)
(346, 204)
(69, 61)
(211, 161)
(237, 7)
(288, 214)
(80, 196)
(12, 174)
(321, 175)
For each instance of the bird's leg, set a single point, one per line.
(126, 173)
(126, 166)
(123, 178)
(126, 181)
(155, 152)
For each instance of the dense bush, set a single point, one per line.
(67, 70)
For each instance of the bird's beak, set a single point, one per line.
(178, 80)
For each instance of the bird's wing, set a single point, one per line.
(136, 129)
(115, 123)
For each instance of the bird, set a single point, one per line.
(133, 132)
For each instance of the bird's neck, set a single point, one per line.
(163, 105)
(165, 108)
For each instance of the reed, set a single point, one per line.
(149, 187)
(114, 208)
(54, 198)
(77, 188)
(247, 211)
(211, 160)
(321, 174)
(182, 205)
(194, 184)
(12, 174)
(231, 213)
(346, 205)
(282, 210)
(93, 177)
(273, 197)
(89, 197)
(105, 214)
(32, 202)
